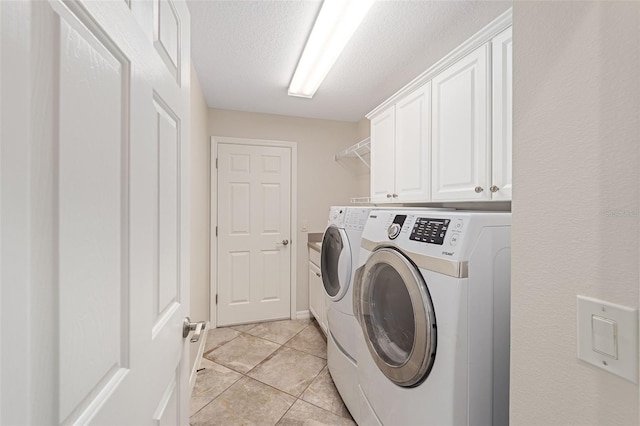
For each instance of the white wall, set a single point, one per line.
(364, 174)
(322, 182)
(575, 159)
(199, 207)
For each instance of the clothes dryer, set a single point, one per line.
(338, 259)
(431, 295)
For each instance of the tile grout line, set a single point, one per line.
(324, 409)
(270, 356)
(218, 396)
(278, 343)
(308, 402)
(280, 390)
(218, 347)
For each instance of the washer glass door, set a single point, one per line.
(335, 262)
(397, 317)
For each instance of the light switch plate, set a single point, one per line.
(618, 353)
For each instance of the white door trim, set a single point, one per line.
(213, 285)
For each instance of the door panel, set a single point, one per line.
(92, 214)
(240, 273)
(383, 156)
(167, 35)
(413, 147)
(105, 300)
(460, 141)
(254, 218)
(167, 143)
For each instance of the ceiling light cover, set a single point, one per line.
(336, 23)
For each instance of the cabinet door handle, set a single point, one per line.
(395, 195)
(388, 195)
(318, 274)
(479, 189)
(494, 189)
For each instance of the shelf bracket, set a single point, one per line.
(357, 150)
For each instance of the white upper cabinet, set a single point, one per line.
(460, 140)
(382, 155)
(447, 135)
(412, 155)
(400, 151)
(502, 95)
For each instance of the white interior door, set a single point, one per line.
(94, 195)
(254, 233)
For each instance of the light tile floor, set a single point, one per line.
(267, 374)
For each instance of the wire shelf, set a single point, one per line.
(358, 150)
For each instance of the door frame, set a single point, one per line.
(293, 270)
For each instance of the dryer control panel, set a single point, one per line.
(356, 218)
(336, 215)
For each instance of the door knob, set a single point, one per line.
(283, 243)
(388, 195)
(188, 326)
(494, 189)
(478, 189)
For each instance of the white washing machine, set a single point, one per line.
(338, 260)
(432, 298)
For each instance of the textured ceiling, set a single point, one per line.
(245, 52)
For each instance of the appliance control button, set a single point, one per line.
(393, 231)
(454, 239)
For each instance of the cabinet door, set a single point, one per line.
(382, 156)
(412, 159)
(315, 292)
(460, 140)
(502, 115)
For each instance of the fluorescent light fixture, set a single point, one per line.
(336, 23)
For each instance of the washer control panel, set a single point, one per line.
(430, 230)
(396, 226)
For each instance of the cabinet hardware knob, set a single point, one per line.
(395, 195)
(388, 195)
(479, 189)
(494, 189)
(317, 274)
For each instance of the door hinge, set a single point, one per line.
(216, 299)
(216, 230)
(216, 163)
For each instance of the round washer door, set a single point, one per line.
(335, 262)
(397, 317)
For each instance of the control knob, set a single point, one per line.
(394, 231)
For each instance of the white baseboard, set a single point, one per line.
(196, 365)
(303, 314)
